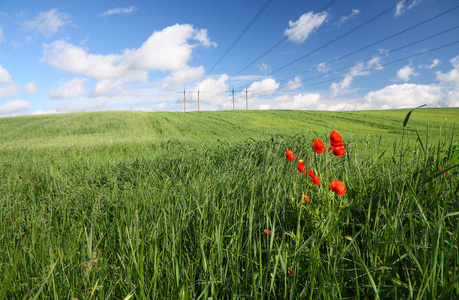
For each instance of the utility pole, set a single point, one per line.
(233, 97)
(232, 91)
(184, 98)
(247, 98)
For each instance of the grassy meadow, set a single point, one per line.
(205, 205)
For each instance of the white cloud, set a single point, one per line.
(293, 84)
(5, 76)
(179, 77)
(264, 87)
(9, 90)
(263, 68)
(359, 69)
(298, 101)
(402, 96)
(166, 50)
(70, 107)
(451, 77)
(400, 7)
(406, 72)
(14, 107)
(215, 90)
(2, 37)
(299, 30)
(31, 88)
(69, 89)
(343, 19)
(119, 11)
(47, 23)
(435, 63)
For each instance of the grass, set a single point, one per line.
(168, 212)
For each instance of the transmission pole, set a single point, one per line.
(247, 98)
(232, 91)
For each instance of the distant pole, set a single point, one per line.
(246, 99)
(233, 97)
(184, 102)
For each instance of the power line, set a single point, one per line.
(286, 37)
(372, 19)
(378, 42)
(240, 35)
(379, 65)
(385, 64)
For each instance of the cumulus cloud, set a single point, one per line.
(215, 90)
(359, 69)
(298, 101)
(293, 84)
(179, 77)
(2, 37)
(14, 107)
(5, 76)
(401, 7)
(435, 63)
(263, 68)
(119, 11)
(406, 72)
(402, 96)
(167, 50)
(47, 23)
(265, 86)
(70, 107)
(343, 19)
(9, 90)
(31, 88)
(69, 89)
(299, 30)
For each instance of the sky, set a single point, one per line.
(143, 55)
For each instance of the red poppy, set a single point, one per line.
(335, 139)
(302, 167)
(304, 199)
(268, 232)
(338, 151)
(319, 146)
(443, 173)
(338, 187)
(289, 155)
(315, 179)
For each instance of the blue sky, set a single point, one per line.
(73, 56)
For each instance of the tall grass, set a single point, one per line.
(189, 222)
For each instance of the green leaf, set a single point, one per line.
(409, 114)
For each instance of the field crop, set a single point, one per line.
(120, 205)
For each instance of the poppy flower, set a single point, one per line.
(315, 179)
(335, 139)
(268, 232)
(338, 187)
(289, 155)
(302, 167)
(304, 199)
(319, 146)
(443, 173)
(338, 151)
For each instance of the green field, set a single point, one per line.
(119, 205)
